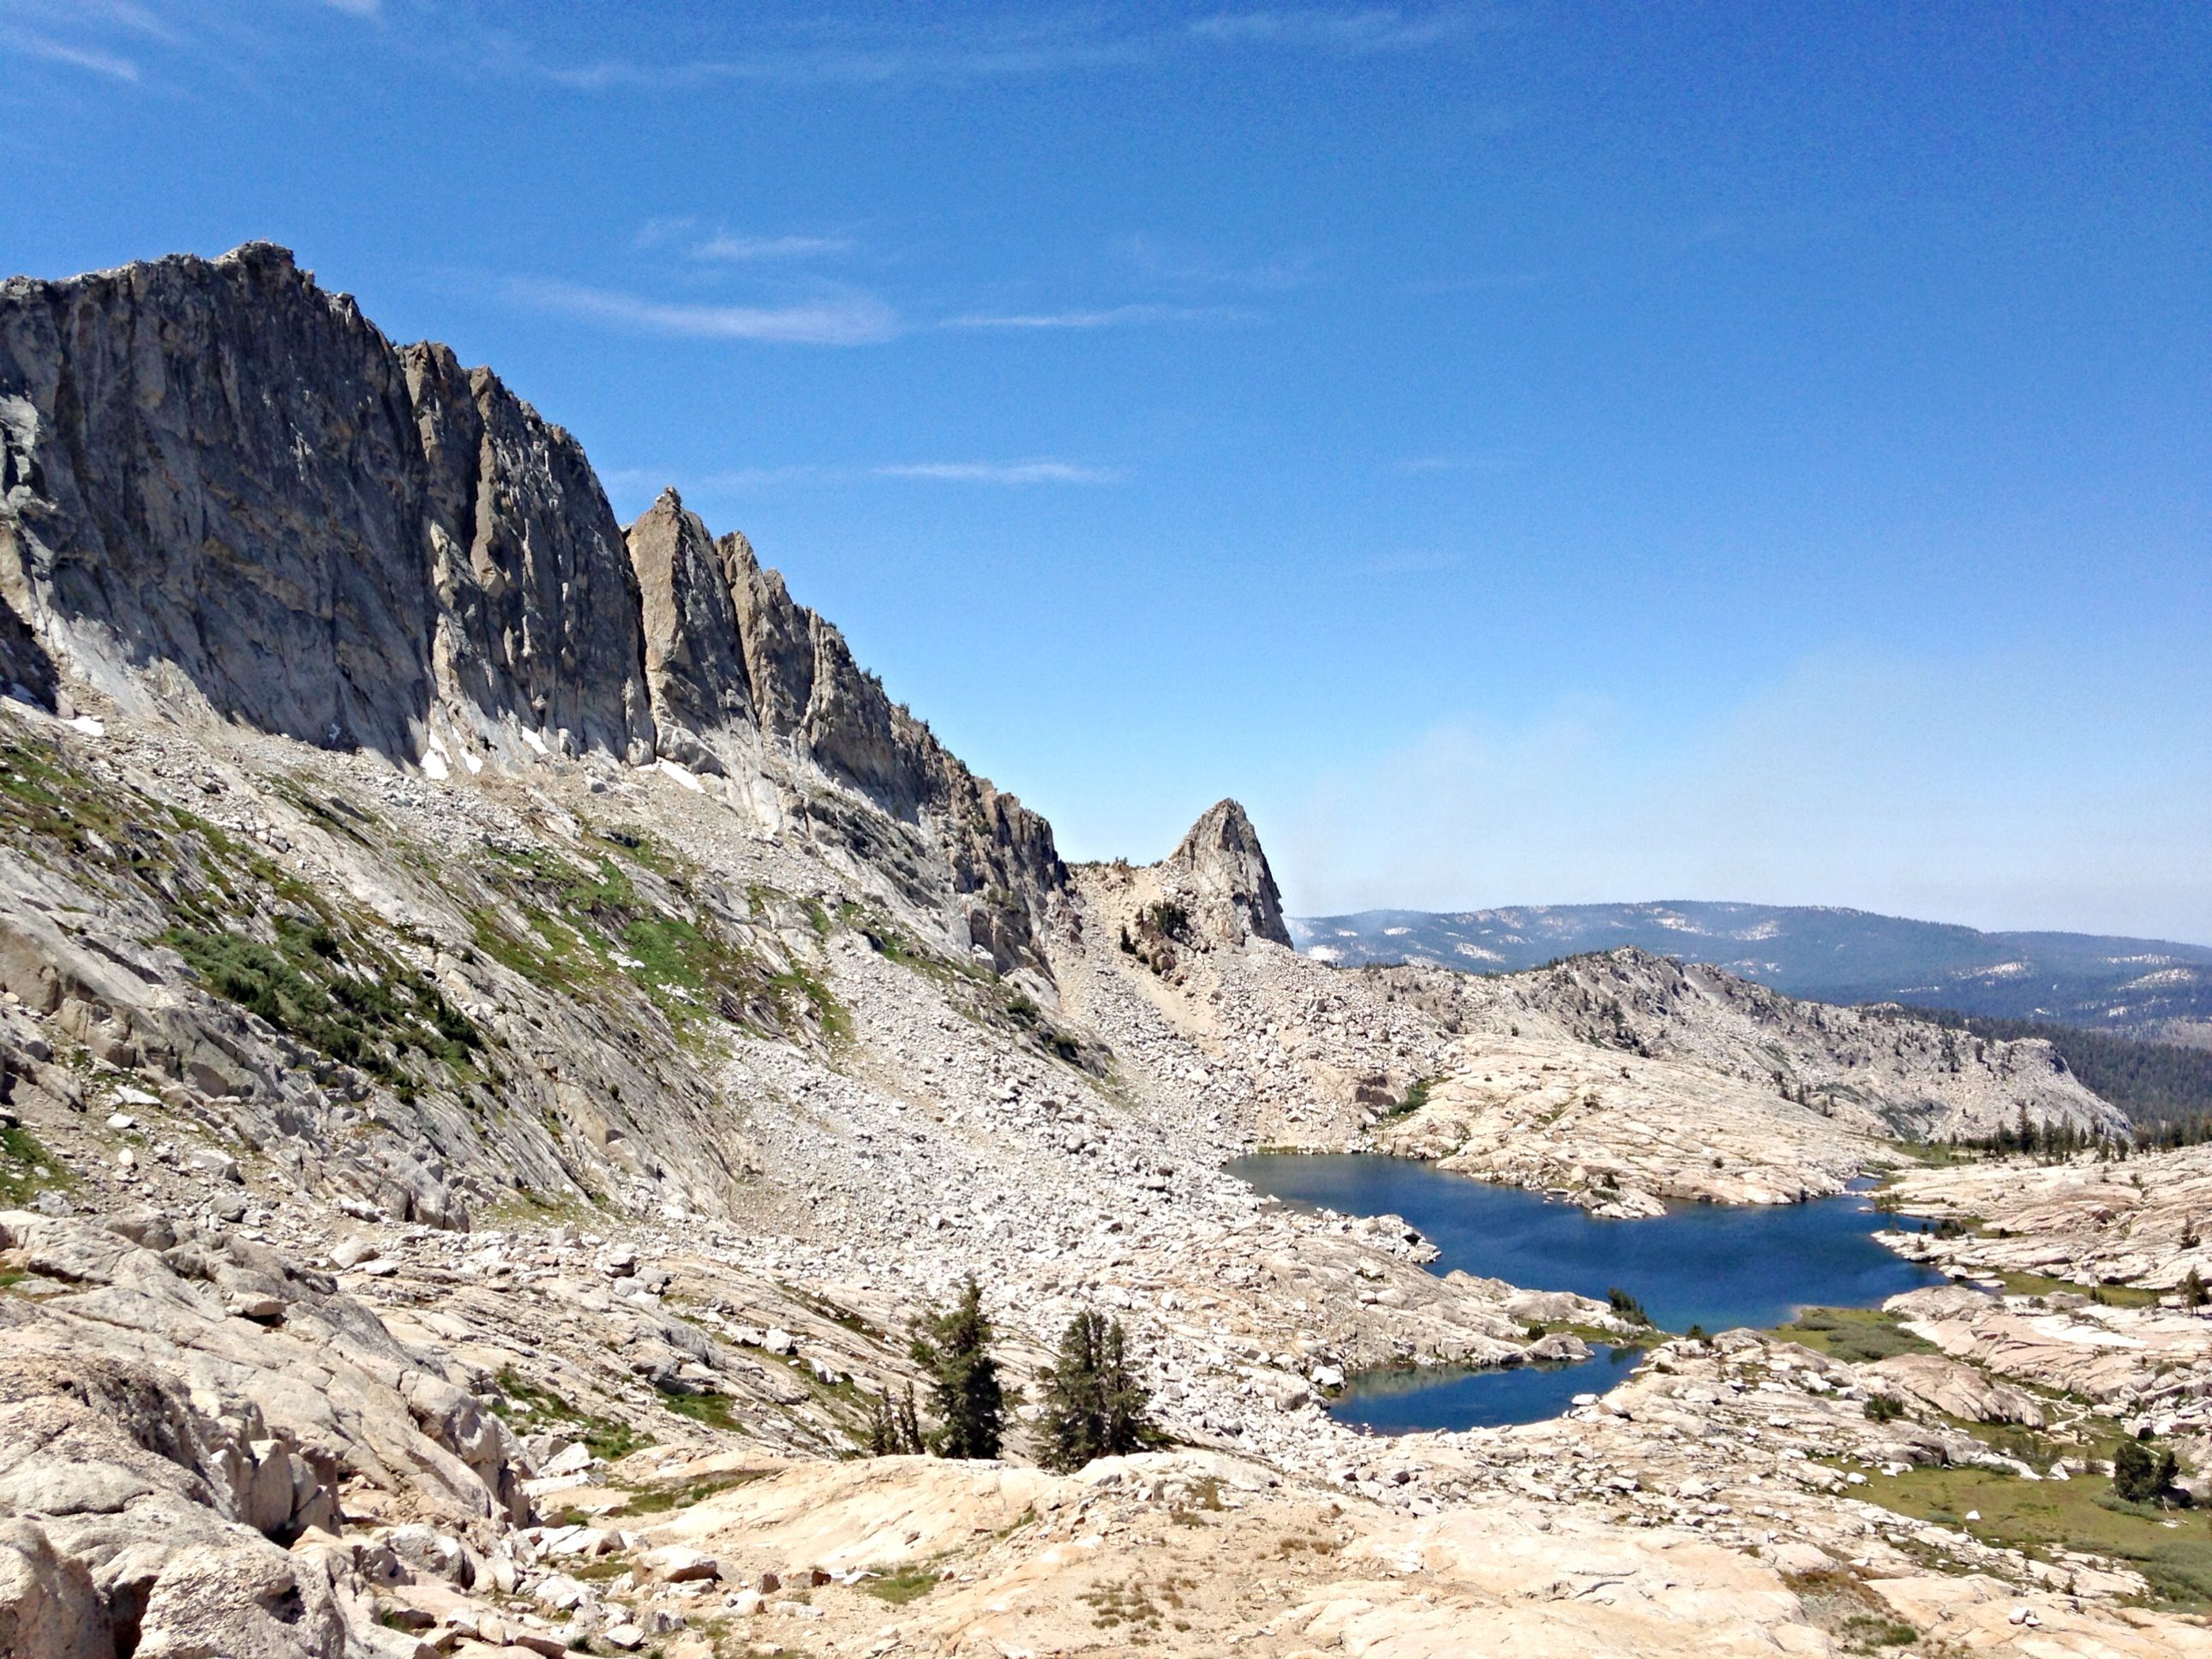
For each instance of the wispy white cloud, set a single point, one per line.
(745, 479)
(48, 49)
(1123, 316)
(735, 249)
(817, 53)
(357, 8)
(689, 234)
(1502, 459)
(1000, 472)
(838, 320)
(1360, 29)
(861, 61)
(1182, 267)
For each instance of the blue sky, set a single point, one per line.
(1526, 453)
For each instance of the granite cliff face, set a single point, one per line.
(223, 487)
(744, 682)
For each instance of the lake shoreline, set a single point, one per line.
(1696, 1265)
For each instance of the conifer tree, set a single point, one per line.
(894, 1429)
(954, 1347)
(2140, 1475)
(1094, 1407)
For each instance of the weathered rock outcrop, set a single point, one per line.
(1222, 868)
(180, 1412)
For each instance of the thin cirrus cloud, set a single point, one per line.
(736, 250)
(1359, 29)
(730, 247)
(1030, 47)
(1505, 459)
(1123, 316)
(48, 49)
(747, 479)
(1000, 472)
(837, 320)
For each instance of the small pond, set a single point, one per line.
(1718, 1266)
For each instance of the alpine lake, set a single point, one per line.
(1714, 1266)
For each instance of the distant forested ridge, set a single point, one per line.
(2153, 987)
(2153, 1082)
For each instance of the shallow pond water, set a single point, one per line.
(1718, 1266)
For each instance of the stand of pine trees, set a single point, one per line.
(1093, 1406)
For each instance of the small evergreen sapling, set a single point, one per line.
(894, 1428)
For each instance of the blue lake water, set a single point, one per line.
(1718, 1266)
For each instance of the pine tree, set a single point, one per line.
(954, 1347)
(2193, 1293)
(1094, 1407)
(893, 1430)
(2139, 1474)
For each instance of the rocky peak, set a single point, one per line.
(1223, 870)
(695, 673)
(742, 678)
(224, 493)
(223, 489)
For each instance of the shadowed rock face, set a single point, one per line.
(1221, 863)
(224, 485)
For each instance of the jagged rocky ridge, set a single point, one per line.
(223, 486)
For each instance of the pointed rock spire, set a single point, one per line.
(1222, 866)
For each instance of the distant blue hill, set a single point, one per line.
(1827, 955)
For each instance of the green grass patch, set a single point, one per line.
(27, 1167)
(340, 995)
(2173, 1549)
(837, 1312)
(659, 1500)
(530, 1408)
(1417, 1096)
(903, 1585)
(590, 924)
(711, 1409)
(2112, 1296)
(1859, 1335)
